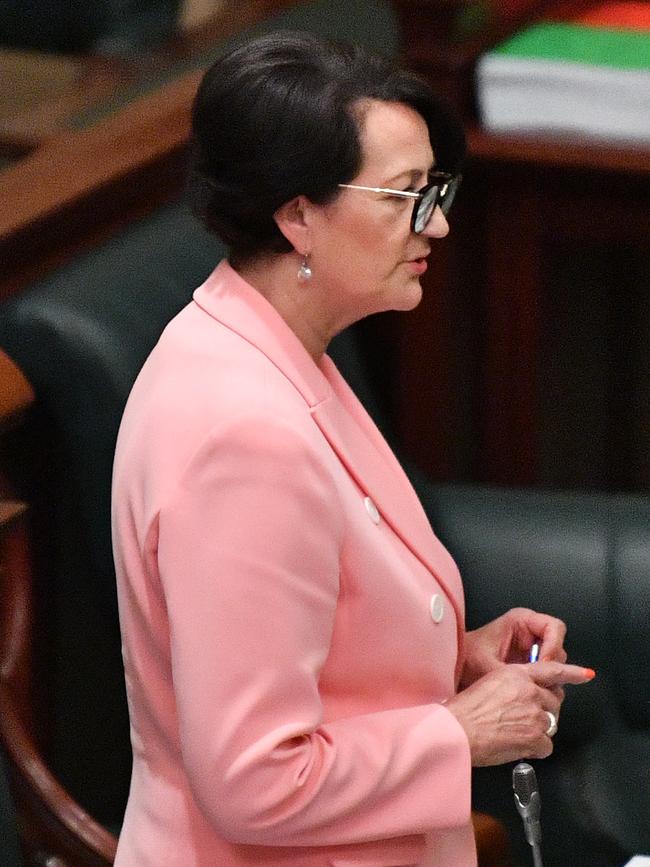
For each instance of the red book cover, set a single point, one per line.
(616, 15)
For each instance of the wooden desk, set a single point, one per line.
(43, 94)
(40, 94)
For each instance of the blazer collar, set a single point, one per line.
(227, 297)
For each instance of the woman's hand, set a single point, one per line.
(504, 712)
(509, 639)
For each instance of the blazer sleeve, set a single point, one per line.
(248, 554)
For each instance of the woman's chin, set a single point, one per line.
(411, 296)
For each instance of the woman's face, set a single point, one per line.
(364, 254)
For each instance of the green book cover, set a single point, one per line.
(571, 43)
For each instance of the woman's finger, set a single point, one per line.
(549, 701)
(550, 674)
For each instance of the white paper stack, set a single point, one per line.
(568, 78)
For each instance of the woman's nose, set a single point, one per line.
(437, 227)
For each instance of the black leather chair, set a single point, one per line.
(586, 559)
(81, 335)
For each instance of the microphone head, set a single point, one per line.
(527, 802)
(524, 782)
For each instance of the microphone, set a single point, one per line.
(527, 801)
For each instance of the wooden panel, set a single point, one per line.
(553, 152)
(421, 381)
(512, 335)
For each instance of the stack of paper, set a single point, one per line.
(589, 76)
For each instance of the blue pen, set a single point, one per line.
(534, 653)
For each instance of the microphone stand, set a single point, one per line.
(527, 801)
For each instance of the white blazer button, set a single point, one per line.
(437, 608)
(371, 509)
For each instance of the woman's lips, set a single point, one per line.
(418, 266)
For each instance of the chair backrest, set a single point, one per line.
(586, 559)
(80, 338)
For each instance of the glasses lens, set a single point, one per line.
(447, 198)
(425, 207)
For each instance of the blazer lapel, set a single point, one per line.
(369, 460)
(340, 416)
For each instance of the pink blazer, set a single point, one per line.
(291, 625)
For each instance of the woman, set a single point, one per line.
(302, 690)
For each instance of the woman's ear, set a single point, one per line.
(293, 221)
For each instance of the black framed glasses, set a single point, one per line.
(440, 190)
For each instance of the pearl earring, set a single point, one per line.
(304, 272)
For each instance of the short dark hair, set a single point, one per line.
(274, 119)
